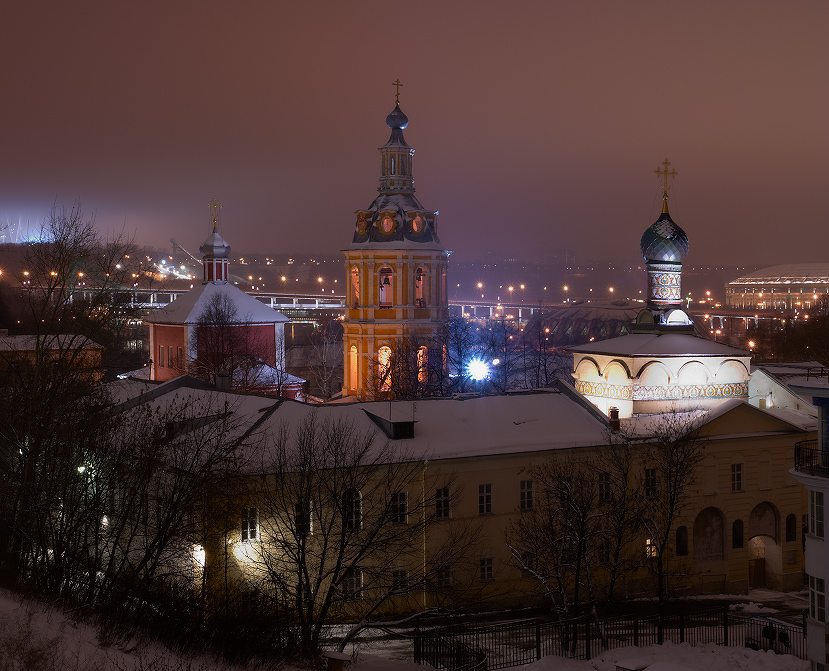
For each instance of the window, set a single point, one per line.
(385, 287)
(817, 599)
(352, 509)
(484, 499)
(526, 501)
(791, 528)
(420, 288)
(736, 477)
(650, 483)
(442, 510)
(527, 563)
(816, 513)
(604, 487)
(443, 578)
(352, 583)
(355, 287)
(603, 552)
(486, 569)
(161, 356)
(180, 357)
(399, 508)
(400, 581)
(737, 534)
(303, 519)
(352, 367)
(250, 524)
(682, 541)
(170, 356)
(650, 548)
(384, 368)
(422, 364)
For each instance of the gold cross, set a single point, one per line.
(215, 206)
(664, 174)
(396, 83)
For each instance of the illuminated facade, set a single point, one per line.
(790, 287)
(395, 273)
(661, 365)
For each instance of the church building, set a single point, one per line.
(396, 294)
(661, 365)
(218, 331)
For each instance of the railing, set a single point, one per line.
(810, 459)
(520, 642)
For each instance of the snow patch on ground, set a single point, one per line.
(677, 657)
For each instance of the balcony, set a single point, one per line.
(811, 460)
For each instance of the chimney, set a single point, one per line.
(222, 382)
(613, 414)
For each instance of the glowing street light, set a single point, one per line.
(477, 369)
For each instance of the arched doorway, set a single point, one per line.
(765, 558)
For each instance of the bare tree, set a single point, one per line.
(325, 358)
(343, 520)
(671, 450)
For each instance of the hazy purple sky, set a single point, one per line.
(537, 125)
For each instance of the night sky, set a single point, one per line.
(537, 125)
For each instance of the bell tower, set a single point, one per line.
(396, 287)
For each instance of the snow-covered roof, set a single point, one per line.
(660, 344)
(188, 308)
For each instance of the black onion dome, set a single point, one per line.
(664, 241)
(397, 120)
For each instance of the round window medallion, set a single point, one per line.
(387, 226)
(417, 224)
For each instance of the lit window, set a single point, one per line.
(526, 493)
(442, 509)
(736, 477)
(355, 287)
(420, 288)
(352, 367)
(484, 499)
(250, 525)
(385, 286)
(650, 548)
(422, 363)
(384, 368)
(486, 569)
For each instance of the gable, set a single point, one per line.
(737, 417)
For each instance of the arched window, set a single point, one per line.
(355, 286)
(422, 364)
(352, 510)
(421, 287)
(391, 164)
(385, 287)
(682, 542)
(384, 368)
(737, 534)
(791, 527)
(352, 367)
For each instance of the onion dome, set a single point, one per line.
(397, 120)
(215, 246)
(664, 241)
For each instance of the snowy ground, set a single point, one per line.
(33, 636)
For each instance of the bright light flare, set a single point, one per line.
(477, 369)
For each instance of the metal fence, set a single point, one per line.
(498, 646)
